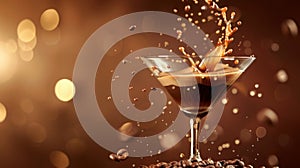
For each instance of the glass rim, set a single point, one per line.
(203, 57)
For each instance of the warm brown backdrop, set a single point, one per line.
(35, 80)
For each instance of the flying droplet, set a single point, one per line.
(226, 145)
(268, 116)
(236, 62)
(203, 7)
(289, 26)
(122, 154)
(234, 91)
(224, 101)
(237, 141)
(187, 8)
(235, 110)
(132, 28)
(259, 95)
(252, 93)
(128, 130)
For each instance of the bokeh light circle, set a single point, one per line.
(2, 113)
(59, 159)
(26, 30)
(49, 19)
(64, 90)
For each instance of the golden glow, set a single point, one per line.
(27, 105)
(7, 64)
(64, 90)
(273, 160)
(59, 159)
(282, 76)
(26, 55)
(49, 19)
(245, 135)
(168, 140)
(2, 113)
(50, 38)
(36, 132)
(11, 46)
(27, 46)
(75, 146)
(26, 30)
(19, 120)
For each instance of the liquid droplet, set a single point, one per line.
(234, 91)
(259, 95)
(122, 154)
(224, 101)
(237, 141)
(268, 116)
(203, 7)
(132, 28)
(181, 155)
(289, 26)
(187, 8)
(128, 130)
(235, 110)
(252, 93)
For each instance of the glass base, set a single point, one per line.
(195, 158)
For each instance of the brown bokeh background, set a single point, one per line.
(43, 115)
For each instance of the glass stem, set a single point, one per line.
(195, 146)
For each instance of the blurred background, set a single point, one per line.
(39, 44)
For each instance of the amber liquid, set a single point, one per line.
(196, 100)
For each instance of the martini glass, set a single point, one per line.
(196, 90)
